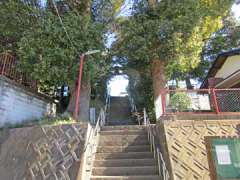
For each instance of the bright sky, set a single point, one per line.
(236, 10)
(126, 8)
(118, 85)
(43, 3)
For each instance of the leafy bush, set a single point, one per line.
(181, 101)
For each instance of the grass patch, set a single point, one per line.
(56, 121)
(59, 120)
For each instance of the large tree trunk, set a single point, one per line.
(84, 101)
(188, 82)
(159, 83)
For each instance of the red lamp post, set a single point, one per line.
(78, 90)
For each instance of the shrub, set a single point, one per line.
(181, 101)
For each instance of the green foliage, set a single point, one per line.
(59, 120)
(227, 38)
(170, 31)
(181, 101)
(16, 16)
(106, 11)
(36, 36)
(142, 92)
(48, 55)
(81, 7)
(62, 119)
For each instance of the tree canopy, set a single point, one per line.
(171, 31)
(49, 56)
(162, 38)
(48, 49)
(16, 17)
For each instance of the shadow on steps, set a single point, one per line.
(120, 111)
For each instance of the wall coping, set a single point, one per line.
(27, 90)
(200, 117)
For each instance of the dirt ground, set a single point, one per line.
(47, 152)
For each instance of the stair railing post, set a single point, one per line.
(164, 169)
(4, 64)
(158, 160)
(145, 117)
(151, 141)
(153, 145)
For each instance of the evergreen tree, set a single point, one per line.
(169, 34)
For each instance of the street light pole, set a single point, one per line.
(78, 90)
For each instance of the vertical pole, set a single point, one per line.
(145, 117)
(159, 163)
(163, 96)
(215, 101)
(78, 93)
(4, 63)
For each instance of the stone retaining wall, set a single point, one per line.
(37, 153)
(184, 147)
(18, 104)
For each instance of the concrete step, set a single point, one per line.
(129, 127)
(121, 122)
(127, 155)
(124, 132)
(130, 137)
(126, 177)
(122, 142)
(125, 171)
(109, 149)
(125, 162)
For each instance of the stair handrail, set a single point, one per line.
(101, 121)
(134, 110)
(132, 103)
(91, 143)
(162, 168)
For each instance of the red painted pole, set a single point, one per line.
(4, 63)
(215, 103)
(78, 91)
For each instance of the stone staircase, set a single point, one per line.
(120, 112)
(123, 153)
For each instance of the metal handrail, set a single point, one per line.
(135, 111)
(9, 69)
(162, 168)
(90, 145)
(100, 121)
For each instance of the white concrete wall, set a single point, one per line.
(18, 104)
(231, 65)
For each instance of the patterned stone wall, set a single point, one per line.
(186, 148)
(47, 153)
